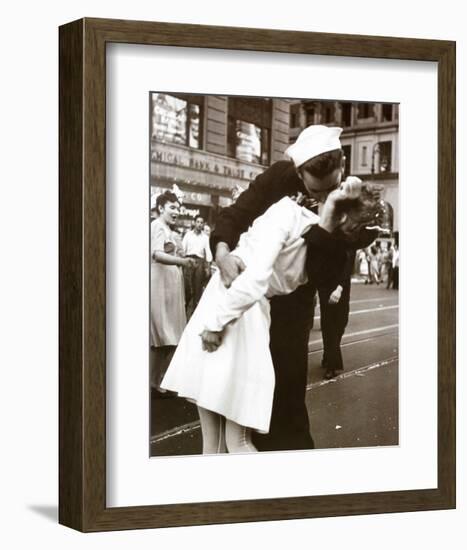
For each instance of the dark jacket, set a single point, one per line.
(278, 181)
(330, 259)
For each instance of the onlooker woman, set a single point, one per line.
(168, 318)
(363, 266)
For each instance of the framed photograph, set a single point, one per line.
(237, 342)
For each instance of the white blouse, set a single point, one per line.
(274, 253)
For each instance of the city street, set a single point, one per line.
(359, 408)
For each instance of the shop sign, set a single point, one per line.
(204, 162)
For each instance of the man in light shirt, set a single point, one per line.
(196, 246)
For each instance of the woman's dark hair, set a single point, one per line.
(369, 210)
(324, 164)
(164, 198)
(366, 207)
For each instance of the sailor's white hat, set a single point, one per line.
(313, 141)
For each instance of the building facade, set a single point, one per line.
(212, 147)
(370, 139)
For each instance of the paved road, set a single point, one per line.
(357, 409)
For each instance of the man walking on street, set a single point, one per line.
(196, 246)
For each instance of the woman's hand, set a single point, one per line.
(169, 259)
(351, 188)
(211, 340)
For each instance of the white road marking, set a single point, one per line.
(369, 300)
(381, 308)
(345, 344)
(358, 311)
(357, 372)
(359, 333)
(373, 300)
(173, 432)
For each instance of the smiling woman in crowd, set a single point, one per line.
(168, 318)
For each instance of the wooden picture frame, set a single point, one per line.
(82, 472)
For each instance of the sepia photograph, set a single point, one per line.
(231, 299)
(274, 274)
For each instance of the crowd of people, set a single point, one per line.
(181, 263)
(379, 264)
(234, 341)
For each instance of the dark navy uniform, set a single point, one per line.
(329, 264)
(330, 261)
(291, 315)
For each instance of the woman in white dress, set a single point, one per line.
(223, 362)
(363, 264)
(375, 265)
(168, 318)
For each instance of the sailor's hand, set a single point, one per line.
(211, 340)
(230, 266)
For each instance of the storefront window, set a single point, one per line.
(247, 142)
(176, 120)
(249, 129)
